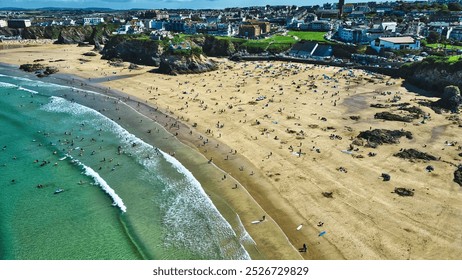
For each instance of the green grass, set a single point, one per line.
(453, 58)
(309, 35)
(435, 46)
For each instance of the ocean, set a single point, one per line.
(75, 184)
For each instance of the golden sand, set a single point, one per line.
(282, 131)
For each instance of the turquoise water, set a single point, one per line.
(122, 198)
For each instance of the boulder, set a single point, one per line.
(383, 136)
(392, 117)
(32, 67)
(414, 154)
(458, 175)
(450, 99)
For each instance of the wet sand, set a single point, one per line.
(279, 130)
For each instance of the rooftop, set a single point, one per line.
(399, 40)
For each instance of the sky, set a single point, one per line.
(157, 4)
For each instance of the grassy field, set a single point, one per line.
(308, 35)
(451, 47)
(453, 58)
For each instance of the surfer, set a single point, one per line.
(263, 218)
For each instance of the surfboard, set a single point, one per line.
(256, 222)
(63, 158)
(299, 227)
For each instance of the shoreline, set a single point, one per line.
(223, 203)
(302, 107)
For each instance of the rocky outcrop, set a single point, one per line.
(383, 136)
(414, 154)
(213, 46)
(143, 52)
(458, 175)
(392, 117)
(433, 74)
(185, 64)
(32, 67)
(74, 35)
(63, 34)
(39, 69)
(450, 99)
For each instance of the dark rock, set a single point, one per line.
(386, 177)
(185, 64)
(355, 118)
(141, 52)
(378, 105)
(383, 136)
(98, 47)
(32, 67)
(89, 54)
(430, 168)
(48, 71)
(219, 47)
(458, 175)
(392, 117)
(450, 100)
(133, 66)
(51, 70)
(75, 35)
(404, 191)
(327, 194)
(414, 154)
(116, 62)
(416, 111)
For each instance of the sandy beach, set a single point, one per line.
(282, 133)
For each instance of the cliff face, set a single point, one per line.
(436, 79)
(180, 64)
(143, 52)
(74, 35)
(63, 34)
(218, 47)
(432, 74)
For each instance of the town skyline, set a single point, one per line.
(159, 4)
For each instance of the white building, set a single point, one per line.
(92, 21)
(395, 43)
(3, 23)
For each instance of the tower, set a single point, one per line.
(340, 8)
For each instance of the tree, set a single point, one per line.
(433, 37)
(455, 6)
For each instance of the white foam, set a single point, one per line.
(189, 201)
(7, 85)
(102, 183)
(28, 90)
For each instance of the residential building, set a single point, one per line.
(318, 25)
(156, 24)
(92, 21)
(456, 33)
(249, 30)
(19, 23)
(395, 43)
(3, 23)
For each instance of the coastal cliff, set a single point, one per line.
(213, 46)
(144, 52)
(186, 64)
(63, 34)
(433, 74)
